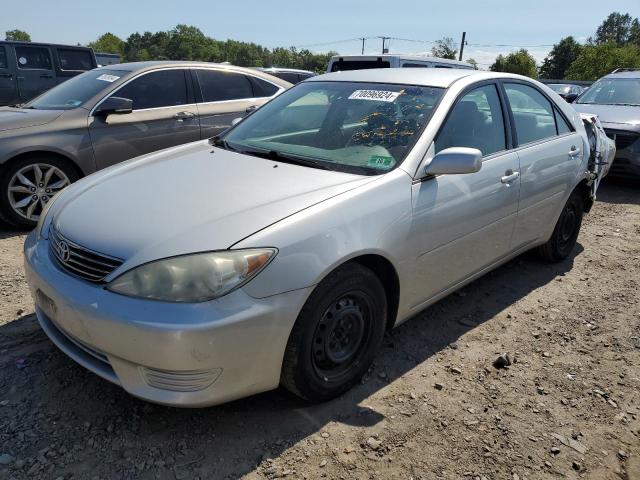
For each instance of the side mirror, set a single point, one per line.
(236, 121)
(455, 160)
(570, 97)
(114, 105)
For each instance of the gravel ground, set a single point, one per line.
(433, 406)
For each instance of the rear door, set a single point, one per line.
(164, 115)
(550, 151)
(35, 70)
(225, 95)
(8, 90)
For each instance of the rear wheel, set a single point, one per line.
(29, 184)
(565, 233)
(336, 335)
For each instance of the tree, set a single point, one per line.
(108, 43)
(614, 29)
(520, 62)
(473, 62)
(560, 58)
(445, 48)
(634, 32)
(595, 61)
(17, 36)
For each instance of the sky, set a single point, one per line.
(492, 26)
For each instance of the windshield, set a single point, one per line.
(613, 91)
(560, 88)
(77, 90)
(366, 128)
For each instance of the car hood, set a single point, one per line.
(613, 115)
(13, 118)
(188, 199)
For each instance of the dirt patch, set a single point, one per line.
(433, 406)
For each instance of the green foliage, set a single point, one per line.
(615, 29)
(595, 61)
(108, 43)
(560, 58)
(186, 42)
(445, 48)
(520, 62)
(17, 35)
(473, 62)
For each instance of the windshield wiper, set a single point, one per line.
(285, 158)
(220, 142)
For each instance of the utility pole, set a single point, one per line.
(464, 35)
(363, 39)
(383, 41)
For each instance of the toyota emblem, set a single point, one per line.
(63, 250)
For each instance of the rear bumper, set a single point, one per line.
(175, 354)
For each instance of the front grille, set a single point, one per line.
(623, 139)
(80, 261)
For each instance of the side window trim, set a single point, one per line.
(126, 82)
(505, 120)
(200, 97)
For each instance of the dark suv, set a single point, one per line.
(615, 98)
(28, 69)
(114, 113)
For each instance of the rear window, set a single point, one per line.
(344, 65)
(3, 57)
(217, 85)
(33, 58)
(75, 59)
(262, 88)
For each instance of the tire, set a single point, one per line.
(565, 233)
(337, 334)
(19, 187)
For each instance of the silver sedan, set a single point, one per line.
(279, 252)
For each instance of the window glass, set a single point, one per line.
(3, 57)
(33, 58)
(613, 91)
(475, 121)
(262, 88)
(290, 77)
(218, 85)
(75, 59)
(532, 113)
(365, 128)
(165, 88)
(415, 65)
(77, 90)
(563, 126)
(344, 65)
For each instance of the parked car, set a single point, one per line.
(568, 91)
(111, 114)
(341, 208)
(339, 63)
(28, 69)
(104, 59)
(615, 98)
(291, 75)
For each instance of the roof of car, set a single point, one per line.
(279, 69)
(625, 74)
(428, 77)
(404, 56)
(152, 65)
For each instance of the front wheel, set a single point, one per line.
(565, 233)
(336, 335)
(28, 185)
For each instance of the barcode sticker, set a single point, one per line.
(376, 95)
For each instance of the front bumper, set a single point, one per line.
(627, 160)
(174, 354)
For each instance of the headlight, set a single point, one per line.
(43, 215)
(193, 278)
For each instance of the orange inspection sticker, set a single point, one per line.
(376, 95)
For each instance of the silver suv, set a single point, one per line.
(615, 98)
(114, 113)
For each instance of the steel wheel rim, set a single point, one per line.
(568, 225)
(341, 336)
(32, 187)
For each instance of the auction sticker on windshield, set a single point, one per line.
(377, 95)
(107, 78)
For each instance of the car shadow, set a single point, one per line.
(229, 440)
(8, 231)
(619, 190)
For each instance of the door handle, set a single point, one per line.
(510, 176)
(251, 108)
(6, 75)
(575, 151)
(180, 116)
(46, 75)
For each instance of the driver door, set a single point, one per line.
(463, 224)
